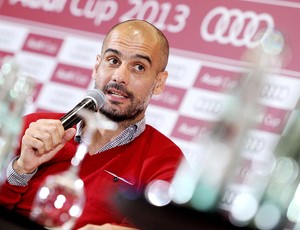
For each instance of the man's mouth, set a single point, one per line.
(117, 95)
(117, 92)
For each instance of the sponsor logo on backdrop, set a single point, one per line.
(280, 92)
(190, 129)
(236, 27)
(11, 38)
(240, 173)
(235, 23)
(99, 11)
(272, 91)
(183, 71)
(42, 44)
(78, 51)
(217, 79)
(228, 197)
(272, 119)
(162, 118)
(39, 66)
(243, 170)
(71, 75)
(206, 105)
(170, 98)
(254, 144)
(167, 16)
(58, 97)
(220, 83)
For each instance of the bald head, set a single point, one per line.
(145, 29)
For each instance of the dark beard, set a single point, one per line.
(116, 117)
(130, 114)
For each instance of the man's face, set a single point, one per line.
(128, 73)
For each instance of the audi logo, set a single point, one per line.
(274, 92)
(176, 71)
(254, 144)
(228, 197)
(208, 106)
(232, 26)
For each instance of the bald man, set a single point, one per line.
(129, 70)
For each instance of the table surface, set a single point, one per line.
(149, 217)
(10, 220)
(143, 214)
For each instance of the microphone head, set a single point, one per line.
(97, 96)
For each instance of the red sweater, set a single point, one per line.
(150, 156)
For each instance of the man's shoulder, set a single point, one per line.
(158, 136)
(152, 130)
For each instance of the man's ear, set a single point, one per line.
(160, 83)
(96, 66)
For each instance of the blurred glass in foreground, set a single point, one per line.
(60, 199)
(15, 93)
(268, 195)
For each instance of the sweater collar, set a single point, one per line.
(126, 136)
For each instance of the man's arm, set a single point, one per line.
(32, 153)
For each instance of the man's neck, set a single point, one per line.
(103, 136)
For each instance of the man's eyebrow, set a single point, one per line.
(147, 58)
(112, 50)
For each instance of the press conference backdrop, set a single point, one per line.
(56, 43)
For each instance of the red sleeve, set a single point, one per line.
(11, 194)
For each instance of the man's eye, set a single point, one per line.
(113, 61)
(139, 68)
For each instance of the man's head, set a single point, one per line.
(131, 68)
(164, 44)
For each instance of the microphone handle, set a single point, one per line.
(71, 118)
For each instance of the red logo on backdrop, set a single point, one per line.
(190, 129)
(171, 98)
(72, 76)
(217, 79)
(273, 120)
(42, 44)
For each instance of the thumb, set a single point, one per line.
(69, 134)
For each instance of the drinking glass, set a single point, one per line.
(61, 198)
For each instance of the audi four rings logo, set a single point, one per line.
(254, 144)
(274, 92)
(208, 106)
(232, 26)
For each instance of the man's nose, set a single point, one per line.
(121, 75)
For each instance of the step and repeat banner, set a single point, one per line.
(56, 42)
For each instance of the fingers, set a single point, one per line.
(69, 134)
(44, 135)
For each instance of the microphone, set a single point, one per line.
(94, 100)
